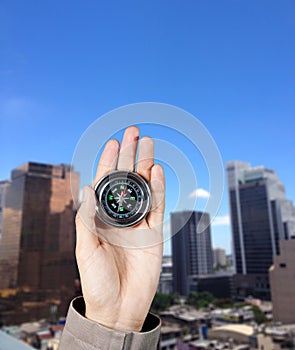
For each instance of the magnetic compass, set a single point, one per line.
(123, 198)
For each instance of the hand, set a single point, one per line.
(119, 282)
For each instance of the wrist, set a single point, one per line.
(115, 321)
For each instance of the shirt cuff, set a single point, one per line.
(82, 333)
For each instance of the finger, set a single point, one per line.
(145, 157)
(85, 223)
(127, 153)
(107, 160)
(157, 185)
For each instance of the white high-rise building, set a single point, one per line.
(219, 257)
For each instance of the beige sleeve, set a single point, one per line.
(81, 333)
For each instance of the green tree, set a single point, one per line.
(223, 303)
(219, 267)
(240, 304)
(259, 316)
(175, 299)
(199, 300)
(162, 301)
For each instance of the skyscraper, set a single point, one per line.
(3, 189)
(219, 257)
(37, 246)
(191, 249)
(261, 216)
(165, 282)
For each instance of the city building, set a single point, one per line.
(276, 338)
(3, 189)
(238, 333)
(219, 257)
(186, 317)
(166, 281)
(37, 246)
(191, 249)
(261, 216)
(169, 337)
(219, 285)
(229, 260)
(242, 315)
(282, 283)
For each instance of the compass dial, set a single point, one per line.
(123, 198)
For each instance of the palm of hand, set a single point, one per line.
(118, 282)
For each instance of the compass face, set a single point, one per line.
(123, 198)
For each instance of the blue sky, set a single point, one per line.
(228, 62)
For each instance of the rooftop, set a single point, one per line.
(280, 330)
(170, 329)
(236, 328)
(184, 312)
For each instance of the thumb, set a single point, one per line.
(85, 220)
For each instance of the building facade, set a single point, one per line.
(282, 282)
(219, 285)
(37, 246)
(166, 281)
(261, 216)
(191, 249)
(219, 257)
(3, 189)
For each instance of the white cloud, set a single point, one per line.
(199, 193)
(221, 220)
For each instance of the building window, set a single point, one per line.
(283, 265)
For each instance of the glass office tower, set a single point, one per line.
(261, 216)
(38, 230)
(191, 249)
